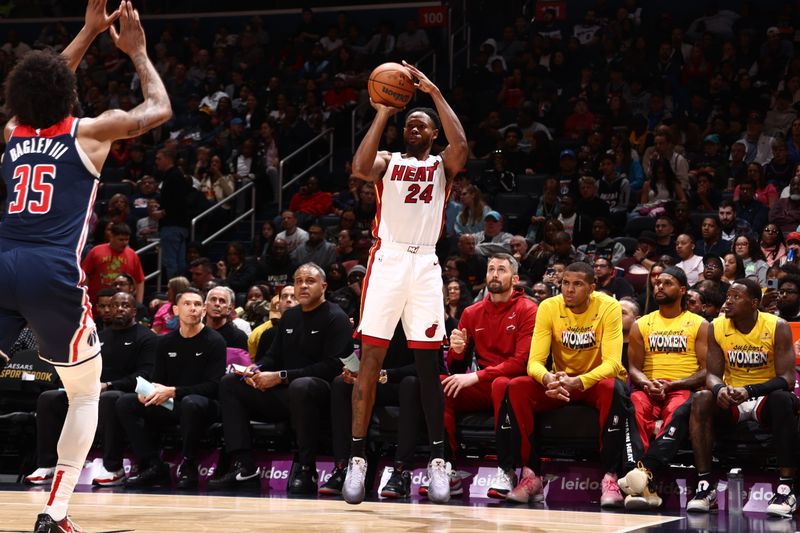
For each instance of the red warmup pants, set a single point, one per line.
(483, 396)
(648, 411)
(527, 397)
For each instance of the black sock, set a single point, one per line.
(358, 447)
(432, 395)
(788, 481)
(705, 476)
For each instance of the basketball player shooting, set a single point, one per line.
(51, 168)
(404, 279)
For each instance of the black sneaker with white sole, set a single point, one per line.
(784, 503)
(239, 476)
(705, 498)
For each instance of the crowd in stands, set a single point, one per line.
(637, 142)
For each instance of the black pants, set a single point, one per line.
(51, 410)
(193, 413)
(305, 401)
(405, 394)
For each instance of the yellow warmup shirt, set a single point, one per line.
(750, 358)
(669, 345)
(587, 344)
(255, 338)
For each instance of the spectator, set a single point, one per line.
(147, 190)
(165, 320)
(291, 383)
(473, 213)
(757, 143)
(345, 249)
(615, 190)
(219, 304)
(311, 201)
(492, 239)
(128, 350)
(202, 274)
(746, 247)
(413, 42)
(293, 235)
(147, 227)
(277, 306)
(749, 209)
(785, 213)
(690, 263)
(189, 365)
(105, 262)
(602, 245)
(349, 296)
(498, 361)
(712, 242)
(568, 173)
(381, 45)
(454, 303)
(278, 267)
(705, 197)
(766, 193)
(263, 241)
(772, 244)
(732, 268)
(256, 306)
(589, 203)
(474, 263)
(664, 149)
(366, 206)
(580, 122)
(576, 222)
(780, 170)
(789, 298)
(236, 271)
(548, 207)
(315, 250)
(174, 213)
(608, 281)
(662, 186)
(729, 224)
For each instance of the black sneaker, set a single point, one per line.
(46, 524)
(333, 487)
(784, 503)
(155, 474)
(304, 481)
(705, 498)
(187, 475)
(239, 476)
(398, 486)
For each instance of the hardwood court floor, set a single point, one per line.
(107, 512)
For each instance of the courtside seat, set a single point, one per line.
(18, 443)
(571, 432)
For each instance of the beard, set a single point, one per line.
(497, 287)
(665, 299)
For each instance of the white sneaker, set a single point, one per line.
(41, 476)
(353, 489)
(439, 486)
(104, 478)
(504, 482)
(783, 504)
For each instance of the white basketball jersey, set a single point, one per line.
(412, 197)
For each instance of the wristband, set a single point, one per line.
(717, 388)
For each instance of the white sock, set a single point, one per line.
(82, 384)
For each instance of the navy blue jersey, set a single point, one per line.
(51, 187)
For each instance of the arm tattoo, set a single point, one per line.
(149, 113)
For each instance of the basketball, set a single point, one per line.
(391, 84)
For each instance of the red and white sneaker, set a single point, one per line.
(109, 479)
(529, 489)
(46, 524)
(41, 476)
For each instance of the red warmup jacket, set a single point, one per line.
(317, 204)
(501, 334)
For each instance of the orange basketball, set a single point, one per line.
(391, 84)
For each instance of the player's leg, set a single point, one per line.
(423, 322)
(82, 383)
(778, 411)
(701, 429)
(382, 299)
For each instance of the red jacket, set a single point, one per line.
(501, 334)
(317, 204)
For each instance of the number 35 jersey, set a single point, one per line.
(51, 186)
(411, 197)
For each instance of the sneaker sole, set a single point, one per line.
(612, 505)
(393, 495)
(777, 514)
(641, 505)
(700, 509)
(497, 494)
(39, 481)
(330, 492)
(114, 483)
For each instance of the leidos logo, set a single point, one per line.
(274, 473)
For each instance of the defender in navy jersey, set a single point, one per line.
(51, 169)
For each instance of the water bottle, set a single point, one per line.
(734, 491)
(790, 256)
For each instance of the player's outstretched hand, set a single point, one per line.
(130, 37)
(421, 80)
(96, 19)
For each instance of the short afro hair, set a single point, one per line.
(40, 91)
(437, 123)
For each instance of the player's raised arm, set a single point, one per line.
(154, 110)
(455, 155)
(368, 163)
(96, 22)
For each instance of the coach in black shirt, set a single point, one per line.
(292, 382)
(219, 301)
(189, 365)
(128, 350)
